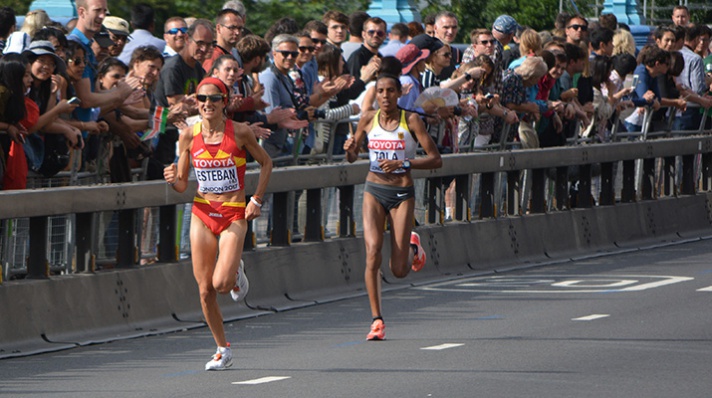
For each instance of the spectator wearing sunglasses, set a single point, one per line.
(143, 22)
(174, 33)
(576, 29)
(374, 33)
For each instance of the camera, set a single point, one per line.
(319, 114)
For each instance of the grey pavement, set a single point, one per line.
(635, 324)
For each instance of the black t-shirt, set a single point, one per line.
(358, 59)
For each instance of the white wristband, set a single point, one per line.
(255, 202)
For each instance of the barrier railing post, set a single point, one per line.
(347, 226)
(628, 191)
(706, 168)
(513, 192)
(607, 196)
(37, 264)
(280, 219)
(669, 175)
(688, 175)
(561, 188)
(313, 229)
(462, 189)
(432, 200)
(538, 191)
(584, 188)
(84, 233)
(127, 252)
(647, 191)
(487, 187)
(167, 234)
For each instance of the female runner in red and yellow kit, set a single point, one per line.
(216, 147)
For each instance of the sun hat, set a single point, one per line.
(44, 47)
(409, 55)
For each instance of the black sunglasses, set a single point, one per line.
(582, 28)
(174, 31)
(287, 54)
(318, 41)
(307, 48)
(486, 42)
(211, 97)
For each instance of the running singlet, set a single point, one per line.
(398, 144)
(221, 171)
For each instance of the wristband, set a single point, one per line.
(255, 202)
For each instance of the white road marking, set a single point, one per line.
(705, 289)
(591, 317)
(442, 346)
(595, 283)
(263, 380)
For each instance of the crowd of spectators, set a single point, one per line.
(106, 94)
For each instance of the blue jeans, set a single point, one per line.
(689, 120)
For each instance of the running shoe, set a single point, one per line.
(378, 330)
(221, 360)
(242, 284)
(419, 254)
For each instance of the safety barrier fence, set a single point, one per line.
(82, 307)
(484, 195)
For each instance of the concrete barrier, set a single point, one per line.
(66, 311)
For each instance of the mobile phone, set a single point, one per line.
(74, 100)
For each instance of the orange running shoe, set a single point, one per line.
(419, 255)
(378, 330)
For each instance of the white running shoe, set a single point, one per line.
(221, 360)
(242, 284)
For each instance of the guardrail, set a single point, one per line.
(84, 202)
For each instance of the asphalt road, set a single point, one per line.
(635, 324)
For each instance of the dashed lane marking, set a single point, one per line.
(263, 380)
(705, 289)
(591, 317)
(442, 346)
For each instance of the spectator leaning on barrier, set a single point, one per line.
(175, 34)
(179, 78)
(692, 82)
(653, 62)
(143, 22)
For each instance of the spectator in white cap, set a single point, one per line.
(118, 29)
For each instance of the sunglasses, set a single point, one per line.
(307, 49)
(582, 28)
(174, 31)
(486, 42)
(447, 54)
(211, 97)
(378, 33)
(288, 54)
(318, 41)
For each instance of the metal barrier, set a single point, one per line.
(75, 244)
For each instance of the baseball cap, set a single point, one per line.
(427, 42)
(505, 24)
(116, 25)
(409, 55)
